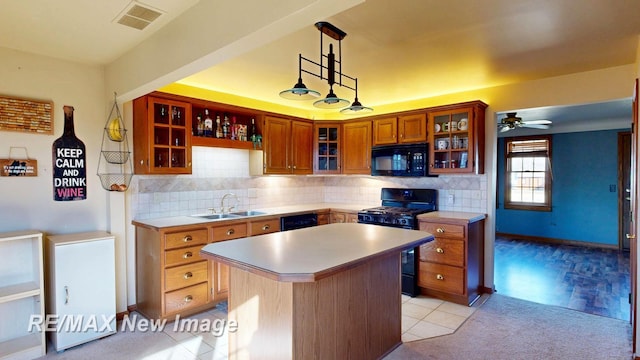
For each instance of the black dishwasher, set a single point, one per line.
(298, 221)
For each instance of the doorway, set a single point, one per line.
(556, 268)
(624, 189)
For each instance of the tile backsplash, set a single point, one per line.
(218, 171)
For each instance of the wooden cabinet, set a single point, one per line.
(399, 130)
(162, 136)
(264, 226)
(171, 276)
(344, 216)
(326, 148)
(323, 217)
(288, 146)
(82, 286)
(456, 138)
(356, 145)
(220, 276)
(451, 266)
(21, 295)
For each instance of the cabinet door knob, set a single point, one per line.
(187, 255)
(439, 277)
(188, 298)
(188, 275)
(630, 236)
(294, 167)
(230, 232)
(187, 238)
(440, 250)
(440, 230)
(266, 227)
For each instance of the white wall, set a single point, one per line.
(27, 202)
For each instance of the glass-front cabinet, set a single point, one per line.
(456, 138)
(327, 148)
(162, 129)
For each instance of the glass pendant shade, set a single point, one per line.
(332, 101)
(356, 108)
(299, 91)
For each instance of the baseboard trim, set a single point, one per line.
(557, 241)
(130, 309)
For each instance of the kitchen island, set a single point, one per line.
(328, 292)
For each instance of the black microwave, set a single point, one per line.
(400, 160)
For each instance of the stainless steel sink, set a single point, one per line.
(215, 216)
(248, 213)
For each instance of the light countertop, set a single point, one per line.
(456, 216)
(172, 221)
(309, 254)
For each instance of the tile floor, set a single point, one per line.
(422, 317)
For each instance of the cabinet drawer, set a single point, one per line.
(228, 232)
(441, 277)
(185, 275)
(185, 238)
(443, 251)
(186, 298)
(265, 226)
(444, 230)
(182, 256)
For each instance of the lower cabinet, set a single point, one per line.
(82, 283)
(171, 277)
(451, 266)
(344, 217)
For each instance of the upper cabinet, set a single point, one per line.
(162, 136)
(288, 146)
(456, 138)
(326, 148)
(401, 129)
(356, 145)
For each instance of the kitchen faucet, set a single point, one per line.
(230, 207)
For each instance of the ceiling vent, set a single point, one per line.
(137, 15)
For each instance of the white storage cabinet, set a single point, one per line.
(21, 295)
(82, 285)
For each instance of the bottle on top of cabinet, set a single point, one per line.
(218, 128)
(208, 124)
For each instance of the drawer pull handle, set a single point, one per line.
(187, 238)
(188, 275)
(188, 298)
(187, 255)
(439, 277)
(66, 295)
(266, 227)
(440, 230)
(230, 232)
(440, 250)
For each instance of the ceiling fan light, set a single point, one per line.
(299, 91)
(332, 101)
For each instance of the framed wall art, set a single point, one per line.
(26, 115)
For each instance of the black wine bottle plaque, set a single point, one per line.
(69, 163)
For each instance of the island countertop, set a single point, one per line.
(310, 254)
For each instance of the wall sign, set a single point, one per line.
(69, 163)
(18, 167)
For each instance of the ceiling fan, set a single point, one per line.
(512, 121)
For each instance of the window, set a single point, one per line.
(528, 173)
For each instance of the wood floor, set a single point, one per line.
(591, 280)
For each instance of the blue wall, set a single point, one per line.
(584, 164)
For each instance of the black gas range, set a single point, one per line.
(399, 209)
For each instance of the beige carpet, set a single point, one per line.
(508, 328)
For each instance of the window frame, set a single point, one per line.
(548, 179)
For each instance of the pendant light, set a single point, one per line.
(332, 101)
